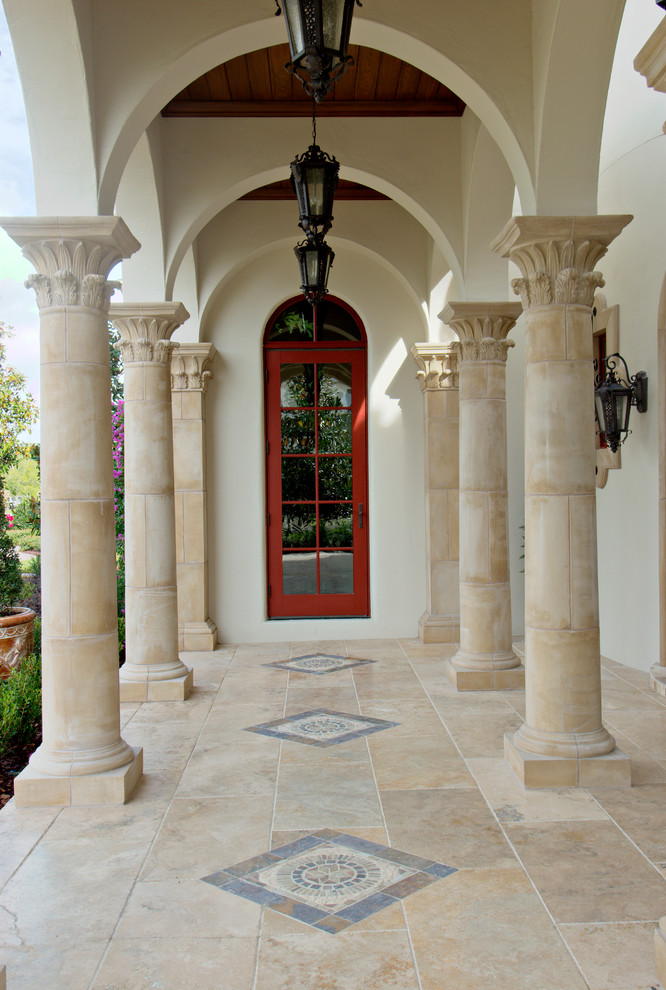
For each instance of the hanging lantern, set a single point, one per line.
(315, 258)
(318, 33)
(613, 398)
(314, 179)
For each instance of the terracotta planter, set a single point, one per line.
(17, 639)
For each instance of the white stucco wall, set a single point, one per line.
(235, 412)
(632, 181)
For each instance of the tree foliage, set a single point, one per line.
(18, 410)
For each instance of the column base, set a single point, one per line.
(658, 679)
(538, 770)
(439, 628)
(3, 978)
(197, 637)
(33, 789)
(175, 689)
(505, 679)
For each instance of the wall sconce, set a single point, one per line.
(613, 398)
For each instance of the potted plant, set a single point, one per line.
(17, 623)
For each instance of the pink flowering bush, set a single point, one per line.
(10, 520)
(118, 435)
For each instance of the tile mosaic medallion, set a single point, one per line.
(318, 663)
(321, 727)
(328, 879)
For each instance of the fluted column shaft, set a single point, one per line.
(438, 379)
(563, 732)
(152, 670)
(485, 660)
(82, 759)
(190, 375)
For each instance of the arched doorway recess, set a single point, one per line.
(316, 461)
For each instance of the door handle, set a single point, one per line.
(360, 515)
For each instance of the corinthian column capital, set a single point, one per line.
(482, 328)
(557, 255)
(190, 367)
(145, 330)
(437, 364)
(72, 257)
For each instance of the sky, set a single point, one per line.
(17, 198)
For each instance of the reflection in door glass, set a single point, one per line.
(298, 479)
(336, 525)
(335, 478)
(297, 431)
(335, 431)
(299, 526)
(334, 382)
(297, 385)
(299, 573)
(336, 572)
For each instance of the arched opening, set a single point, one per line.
(316, 461)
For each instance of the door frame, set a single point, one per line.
(357, 603)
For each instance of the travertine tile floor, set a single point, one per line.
(552, 890)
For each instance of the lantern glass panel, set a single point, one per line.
(292, 11)
(315, 178)
(332, 22)
(312, 266)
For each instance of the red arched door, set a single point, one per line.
(316, 462)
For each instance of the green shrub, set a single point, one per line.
(25, 539)
(21, 705)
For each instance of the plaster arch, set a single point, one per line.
(280, 248)
(213, 202)
(60, 114)
(573, 63)
(118, 140)
(244, 227)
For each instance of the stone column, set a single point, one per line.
(190, 375)
(152, 670)
(485, 660)
(82, 759)
(438, 379)
(563, 742)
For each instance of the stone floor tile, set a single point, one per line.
(613, 957)
(617, 693)
(178, 964)
(474, 705)
(417, 762)
(414, 718)
(639, 811)
(589, 872)
(20, 830)
(186, 909)
(354, 751)
(452, 826)
(217, 770)
(199, 835)
(163, 747)
(71, 964)
(193, 710)
(644, 770)
(414, 648)
(51, 896)
(647, 730)
(487, 928)
(345, 796)
(338, 647)
(368, 960)
(511, 802)
(334, 698)
(481, 736)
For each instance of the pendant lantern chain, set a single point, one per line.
(314, 121)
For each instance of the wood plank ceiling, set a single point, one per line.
(258, 85)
